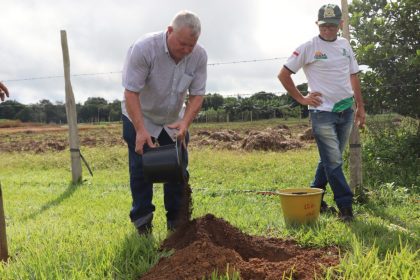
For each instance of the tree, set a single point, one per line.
(115, 110)
(214, 101)
(95, 108)
(25, 115)
(9, 109)
(386, 38)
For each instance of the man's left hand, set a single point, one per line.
(182, 128)
(360, 117)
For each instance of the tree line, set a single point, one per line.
(261, 105)
(94, 109)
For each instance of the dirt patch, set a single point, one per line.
(306, 135)
(279, 138)
(276, 139)
(208, 244)
(40, 139)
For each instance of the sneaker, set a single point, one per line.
(346, 214)
(145, 229)
(325, 209)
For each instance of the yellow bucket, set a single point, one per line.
(300, 206)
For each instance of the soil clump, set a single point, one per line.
(209, 244)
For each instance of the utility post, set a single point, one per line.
(355, 146)
(76, 165)
(4, 253)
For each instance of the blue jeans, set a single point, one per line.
(142, 190)
(332, 131)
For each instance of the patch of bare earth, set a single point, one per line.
(209, 244)
(40, 139)
(279, 138)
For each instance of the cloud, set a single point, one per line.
(100, 32)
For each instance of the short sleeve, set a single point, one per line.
(136, 68)
(298, 59)
(354, 66)
(198, 84)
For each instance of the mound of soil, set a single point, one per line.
(270, 140)
(306, 135)
(208, 244)
(225, 136)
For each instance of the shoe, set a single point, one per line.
(346, 214)
(171, 225)
(325, 209)
(145, 229)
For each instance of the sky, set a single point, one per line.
(99, 33)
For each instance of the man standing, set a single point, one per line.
(331, 69)
(159, 70)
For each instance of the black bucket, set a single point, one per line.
(164, 163)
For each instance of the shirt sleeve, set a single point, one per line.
(198, 84)
(354, 66)
(298, 59)
(136, 68)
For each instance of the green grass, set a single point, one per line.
(57, 230)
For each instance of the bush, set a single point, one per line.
(391, 152)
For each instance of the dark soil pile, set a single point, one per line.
(270, 140)
(208, 244)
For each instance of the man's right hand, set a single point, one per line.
(312, 99)
(142, 138)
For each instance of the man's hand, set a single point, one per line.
(360, 117)
(143, 137)
(182, 128)
(313, 99)
(3, 91)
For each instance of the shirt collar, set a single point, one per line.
(327, 40)
(165, 44)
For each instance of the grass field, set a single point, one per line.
(57, 230)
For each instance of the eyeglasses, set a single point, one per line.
(329, 25)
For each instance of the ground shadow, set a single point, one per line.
(71, 188)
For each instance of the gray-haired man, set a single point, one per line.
(159, 71)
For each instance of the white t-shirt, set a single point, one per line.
(327, 66)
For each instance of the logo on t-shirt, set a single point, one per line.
(345, 53)
(295, 53)
(320, 55)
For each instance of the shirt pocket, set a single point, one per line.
(184, 83)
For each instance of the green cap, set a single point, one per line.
(329, 13)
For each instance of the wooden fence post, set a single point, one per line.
(76, 165)
(4, 253)
(355, 146)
